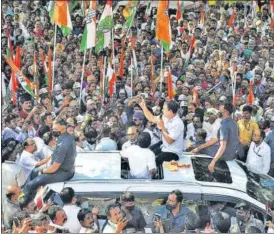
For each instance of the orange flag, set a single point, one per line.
(169, 86)
(17, 63)
(195, 96)
(192, 44)
(250, 98)
(178, 13)
(50, 69)
(35, 70)
(231, 19)
(121, 69)
(202, 14)
(163, 30)
(61, 15)
(272, 13)
(235, 99)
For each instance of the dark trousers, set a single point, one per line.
(44, 179)
(156, 148)
(271, 172)
(165, 156)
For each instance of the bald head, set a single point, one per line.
(132, 133)
(91, 79)
(13, 192)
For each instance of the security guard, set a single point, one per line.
(62, 162)
(244, 219)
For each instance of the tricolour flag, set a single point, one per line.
(104, 28)
(129, 13)
(60, 15)
(27, 85)
(89, 36)
(163, 30)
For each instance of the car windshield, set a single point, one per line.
(259, 187)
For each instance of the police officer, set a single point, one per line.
(245, 219)
(63, 158)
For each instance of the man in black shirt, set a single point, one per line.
(63, 158)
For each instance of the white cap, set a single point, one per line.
(80, 118)
(57, 87)
(212, 110)
(182, 97)
(223, 98)
(76, 85)
(183, 103)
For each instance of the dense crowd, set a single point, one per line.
(220, 103)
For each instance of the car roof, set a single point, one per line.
(106, 166)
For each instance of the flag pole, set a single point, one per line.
(113, 59)
(54, 45)
(131, 77)
(104, 76)
(82, 76)
(161, 72)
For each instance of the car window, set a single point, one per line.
(147, 202)
(259, 187)
(221, 172)
(226, 204)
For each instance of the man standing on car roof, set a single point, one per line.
(172, 129)
(227, 136)
(245, 219)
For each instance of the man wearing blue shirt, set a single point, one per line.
(173, 214)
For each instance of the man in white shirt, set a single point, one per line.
(132, 134)
(27, 160)
(259, 154)
(141, 159)
(88, 220)
(71, 210)
(115, 222)
(172, 128)
(14, 174)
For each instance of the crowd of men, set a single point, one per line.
(222, 106)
